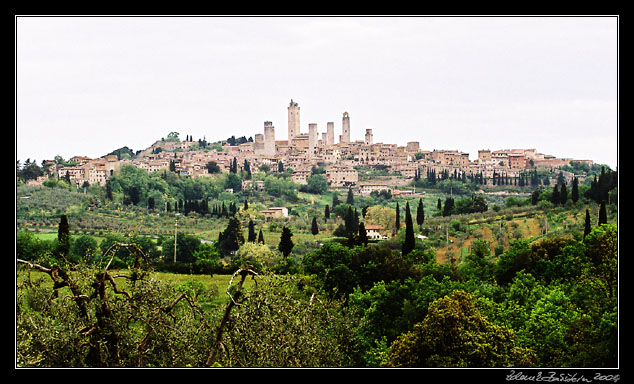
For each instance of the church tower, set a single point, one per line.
(293, 121)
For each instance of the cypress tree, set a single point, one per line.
(350, 197)
(251, 237)
(587, 228)
(535, 197)
(348, 221)
(355, 221)
(420, 213)
(363, 235)
(449, 206)
(314, 228)
(398, 218)
(286, 244)
(563, 194)
(327, 212)
(410, 241)
(63, 237)
(574, 195)
(335, 200)
(108, 190)
(261, 237)
(603, 215)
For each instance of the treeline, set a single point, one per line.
(551, 302)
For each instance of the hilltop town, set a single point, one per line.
(345, 161)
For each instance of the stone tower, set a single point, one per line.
(293, 121)
(368, 137)
(269, 139)
(345, 128)
(313, 136)
(330, 133)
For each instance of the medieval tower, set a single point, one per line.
(312, 137)
(330, 133)
(269, 139)
(345, 129)
(293, 121)
(368, 137)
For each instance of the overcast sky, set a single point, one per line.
(89, 85)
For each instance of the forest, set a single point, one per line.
(157, 270)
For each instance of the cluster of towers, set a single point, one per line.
(265, 143)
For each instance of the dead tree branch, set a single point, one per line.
(225, 318)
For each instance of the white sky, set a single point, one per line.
(89, 85)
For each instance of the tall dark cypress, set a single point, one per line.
(314, 228)
(554, 198)
(251, 237)
(350, 197)
(587, 228)
(563, 194)
(574, 194)
(398, 217)
(286, 244)
(410, 241)
(363, 235)
(420, 213)
(603, 214)
(63, 236)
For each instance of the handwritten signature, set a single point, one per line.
(566, 377)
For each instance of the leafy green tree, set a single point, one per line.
(456, 334)
(316, 184)
(212, 167)
(516, 258)
(234, 182)
(602, 249)
(477, 264)
(258, 256)
(84, 247)
(186, 247)
(286, 243)
(282, 313)
(30, 248)
(206, 259)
